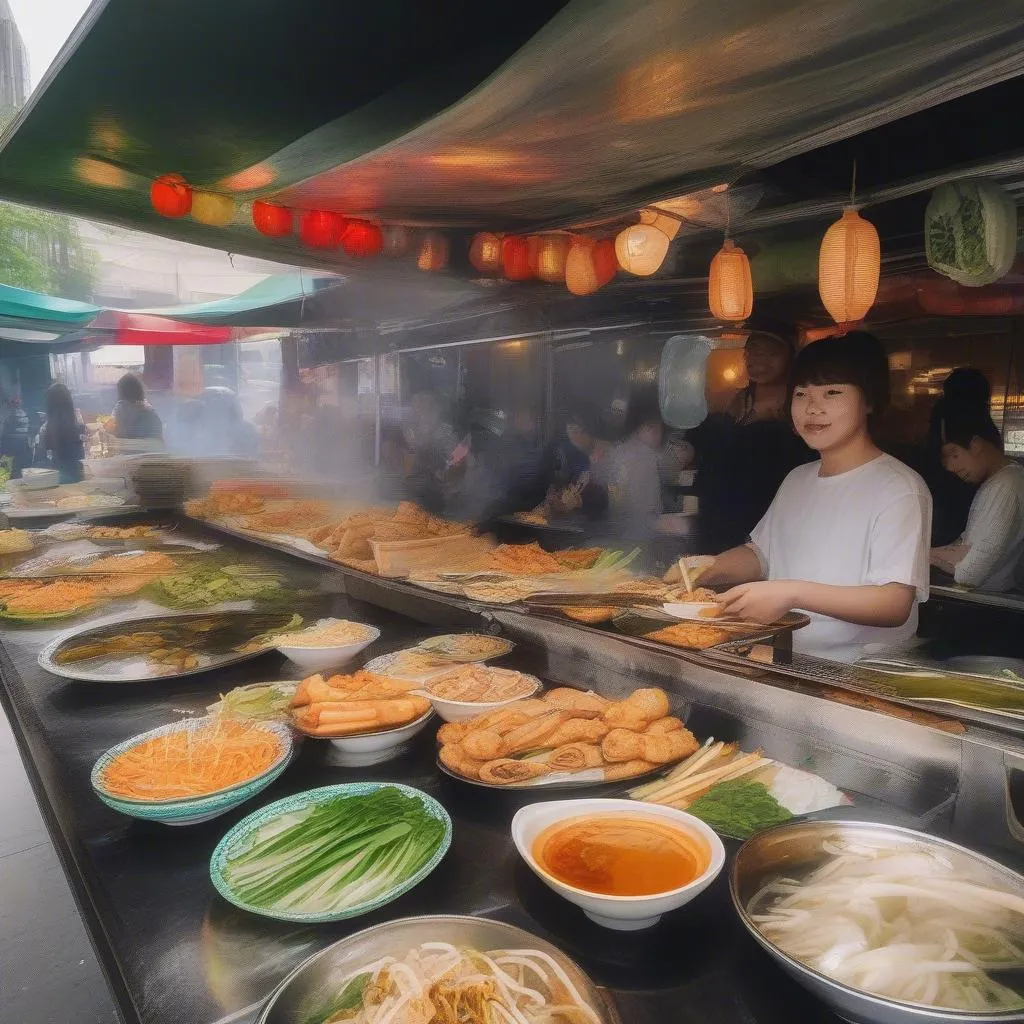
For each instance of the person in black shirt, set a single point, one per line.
(61, 436)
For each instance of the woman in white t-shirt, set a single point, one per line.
(990, 554)
(846, 537)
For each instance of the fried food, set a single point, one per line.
(575, 757)
(579, 558)
(587, 615)
(691, 635)
(480, 683)
(360, 685)
(120, 532)
(627, 770)
(580, 703)
(143, 562)
(505, 770)
(348, 717)
(524, 560)
(638, 710)
(578, 730)
(567, 730)
(643, 587)
(466, 646)
(505, 592)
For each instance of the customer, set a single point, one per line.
(633, 475)
(964, 390)
(846, 537)
(61, 436)
(134, 417)
(744, 454)
(14, 434)
(989, 554)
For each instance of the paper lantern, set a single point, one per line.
(171, 195)
(589, 265)
(433, 253)
(849, 264)
(515, 258)
(606, 263)
(362, 239)
(214, 210)
(641, 249)
(321, 229)
(397, 241)
(272, 220)
(533, 244)
(730, 289)
(485, 252)
(551, 258)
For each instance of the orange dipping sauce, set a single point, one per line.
(621, 854)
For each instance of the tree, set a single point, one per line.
(44, 252)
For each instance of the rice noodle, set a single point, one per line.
(900, 922)
(439, 983)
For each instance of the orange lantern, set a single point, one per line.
(321, 229)
(551, 258)
(397, 241)
(730, 289)
(533, 244)
(485, 252)
(515, 258)
(641, 249)
(171, 195)
(272, 220)
(849, 265)
(362, 239)
(213, 210)
(589, 265)
(433, 253)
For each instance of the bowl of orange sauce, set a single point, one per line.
(623, 863)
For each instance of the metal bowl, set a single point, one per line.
(306, 994)
(796, 848)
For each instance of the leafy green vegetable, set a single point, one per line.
(739, 808)
(335, 855)
(206, 585)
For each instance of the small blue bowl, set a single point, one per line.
(300, 801)
(195, 809)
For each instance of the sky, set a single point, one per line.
(44, 26)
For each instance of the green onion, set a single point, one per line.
(336, 854)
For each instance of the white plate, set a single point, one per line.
(373, 747)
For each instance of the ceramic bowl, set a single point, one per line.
(461, 710)
(239, 835)
(369, 748)
(317, 659)
(196, 809)
(701, 611)
(621, 913)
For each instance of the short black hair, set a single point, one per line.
(856, 358)
(967, 386)
(960, 426)
(643, 410)
(585, 417)
(129, 389)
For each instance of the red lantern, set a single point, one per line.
(272, 220)
(606, 263)
(515, 258)
(362, 239)
(321, 229)
(171, 196)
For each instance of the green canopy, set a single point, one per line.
(23, 305)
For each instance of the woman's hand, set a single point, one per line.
(759, 602)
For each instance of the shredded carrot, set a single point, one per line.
(192, 762)
(50, 598)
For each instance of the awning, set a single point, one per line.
(461, 114)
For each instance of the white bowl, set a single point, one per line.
(373, 747)
(462, 710)
(621, 913)
(316, 659)
(694, 610)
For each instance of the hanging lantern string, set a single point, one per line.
(853, 184)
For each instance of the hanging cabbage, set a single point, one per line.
(970, 232)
